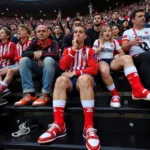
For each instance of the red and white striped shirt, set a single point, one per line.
(82, 61)
(19, 49)
(7, 52)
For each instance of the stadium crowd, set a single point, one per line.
(81, 47)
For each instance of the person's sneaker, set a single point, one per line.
(141, 94)
(5, 93)
(2, 88)
(27, 99)
(92, 140)
(42, 100)
(3, 101)
(115, 102)
(54, 132)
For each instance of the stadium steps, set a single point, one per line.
(126, 128)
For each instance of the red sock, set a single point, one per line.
(134, 81)
(114, 92)
(88, 117)
(59, 116)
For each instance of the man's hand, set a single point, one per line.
(37, 54)
(40, 63)
(74, 44)
(69, 74)
(136, 42)
(68, 18)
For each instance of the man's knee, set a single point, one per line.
(24, 61)
(48, 61)
(84, 81)
(126, 59)
(62, 82)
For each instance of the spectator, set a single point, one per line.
(10, 71)
(104, 48)
(67, 41)
(75, 79)
(40, 57)
(94, 32)
(137, 41)
(115, 19)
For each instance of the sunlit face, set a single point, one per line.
(76, 23)
(115, 16)
(97, 20)
(3, 35)
(107, 34)
(79, 34)
(57, 29)
(42, 32)
(22, 33)
(115, 30)
(125, 24)
(139, 19)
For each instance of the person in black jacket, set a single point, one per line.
(67, 40)
(115, 19)
(40, 57)
(94, 32)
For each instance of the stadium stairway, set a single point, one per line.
(127, 128)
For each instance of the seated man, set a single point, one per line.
(40, 57)
(80, 66)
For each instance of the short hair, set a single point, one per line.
(26, 28)
(81, 27)
(76, 19)
(115, 11)
(7, 31)
(135, 12)
(98, 14)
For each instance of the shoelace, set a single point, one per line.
(23, 130)
(115, 98)
(53, 126)
(91, 131)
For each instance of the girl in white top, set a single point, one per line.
(104, 48)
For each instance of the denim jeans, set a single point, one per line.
(47, 71)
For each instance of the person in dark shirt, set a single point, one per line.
(40, 57)
(94, 32)
(67, 40)
(58, 37)
(115, 19)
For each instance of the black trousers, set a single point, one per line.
(142, 63)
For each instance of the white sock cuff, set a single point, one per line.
(3, 83)
(87, 103)
(130, 70)
(59, 103)
(111, 87)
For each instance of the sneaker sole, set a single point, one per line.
(87, 145)
(91, 149)
(146, 99)
(48, 141)
(5, 94)
(115, 106)
(3, 103)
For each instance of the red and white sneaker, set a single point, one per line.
(92, 140)
(141, 94)
(2, 88)
(54, 132)
(115, 102)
